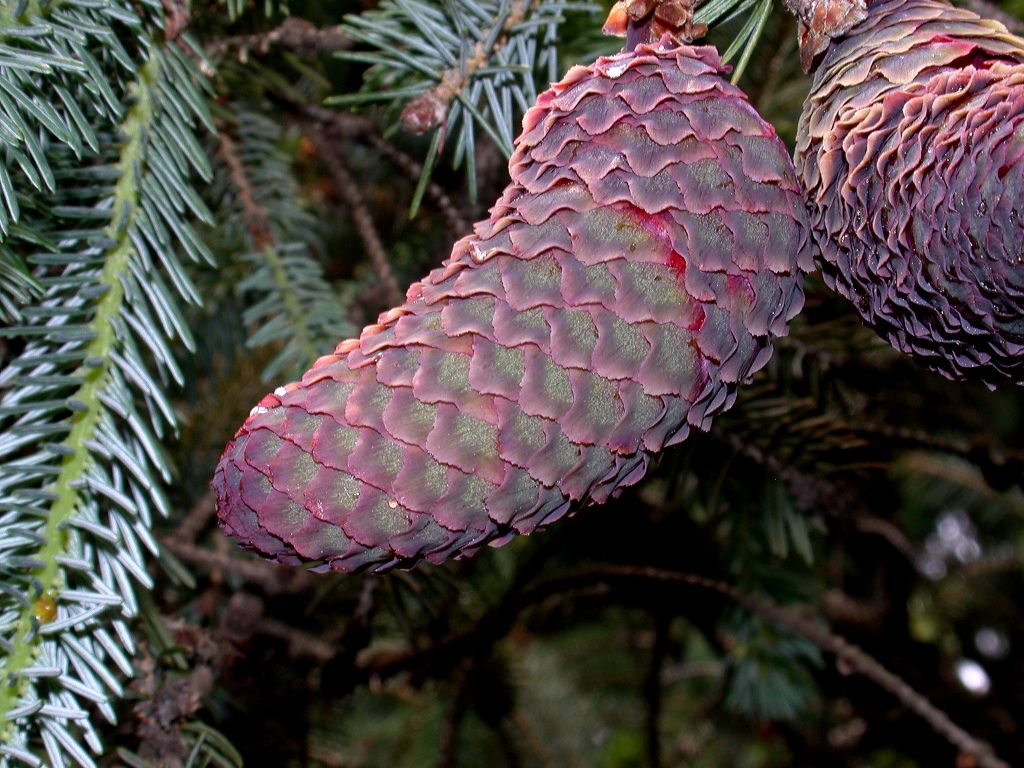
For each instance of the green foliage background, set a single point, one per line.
(198, 199)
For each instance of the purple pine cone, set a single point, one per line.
(634, 272)
(910, 146)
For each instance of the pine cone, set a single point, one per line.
(632, 274)
(910, 146)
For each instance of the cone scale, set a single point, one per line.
(911, 146)
(632, 275)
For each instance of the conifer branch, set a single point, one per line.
(301, 336)
(264, 245)
(292, 34)
(82, 412)
(43, 77)
(292, 303)
(468, 66)
(88, 398)
(428, 110)
(255, 215)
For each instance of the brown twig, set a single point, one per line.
(839, 607)
(428, 110)
(414, 169)
(263, 240)
(364, 608)
(347, 186)
(343, 126)
(272, 578)
(293, 34)
(995, 461)
(299, 643)
(256, 219)
(888, 531)
(1005, 560)
(196, 520)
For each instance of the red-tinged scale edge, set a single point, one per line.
(911, 146)
(634, 272)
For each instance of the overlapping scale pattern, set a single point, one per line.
(911, 146)
(633, 273)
